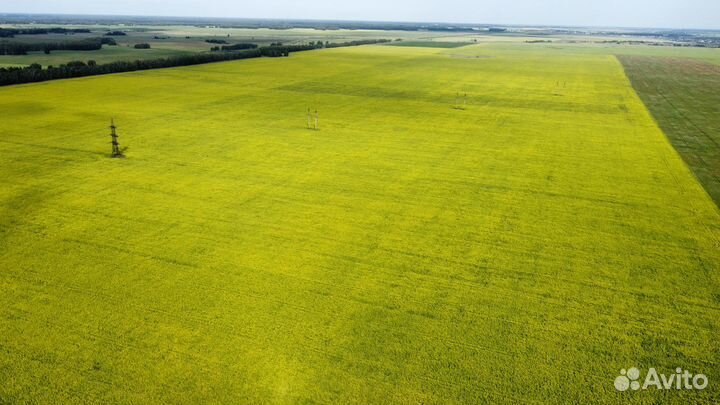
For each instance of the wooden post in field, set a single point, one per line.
(317, 120)
(309, 119)
(465, 101)
(115, 144)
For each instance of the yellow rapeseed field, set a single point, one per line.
(520, 244)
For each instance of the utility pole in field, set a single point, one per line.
(317, 121)
(458, 104)
(115, 144)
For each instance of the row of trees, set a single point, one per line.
(357, 43)
(35, 72)
(310, 45)
(235, 47)
(22, 48)
(11, 32)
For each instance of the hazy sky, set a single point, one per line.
(621, 13)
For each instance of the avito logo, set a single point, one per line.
(680, 380)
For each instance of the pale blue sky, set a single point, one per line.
(619, 13)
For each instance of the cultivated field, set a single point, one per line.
(523, 249)
(167, 41)
(684, 96)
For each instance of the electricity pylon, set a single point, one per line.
(459, 106)
(115, 144)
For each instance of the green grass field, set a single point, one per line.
(169, 40)
(430, 44)
(522, 250)
(684, 95)
(106, 55)
(168, 46)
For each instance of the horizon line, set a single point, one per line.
(475, 24)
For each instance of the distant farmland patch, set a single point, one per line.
(431, 44)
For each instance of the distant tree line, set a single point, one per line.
(319, 44)
(216, 41)
(35, 72)
(356, 43)
(11, 32)
(142, 46)
(310, 45)
(22, 48)
(235, 47)
(115, 34)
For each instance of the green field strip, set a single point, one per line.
(682, 95)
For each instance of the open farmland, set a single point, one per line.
(431, 44)
(168, 41)
(523, 249)
(684, 96)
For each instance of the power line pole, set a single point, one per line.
(460, 101)
(115, 144)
